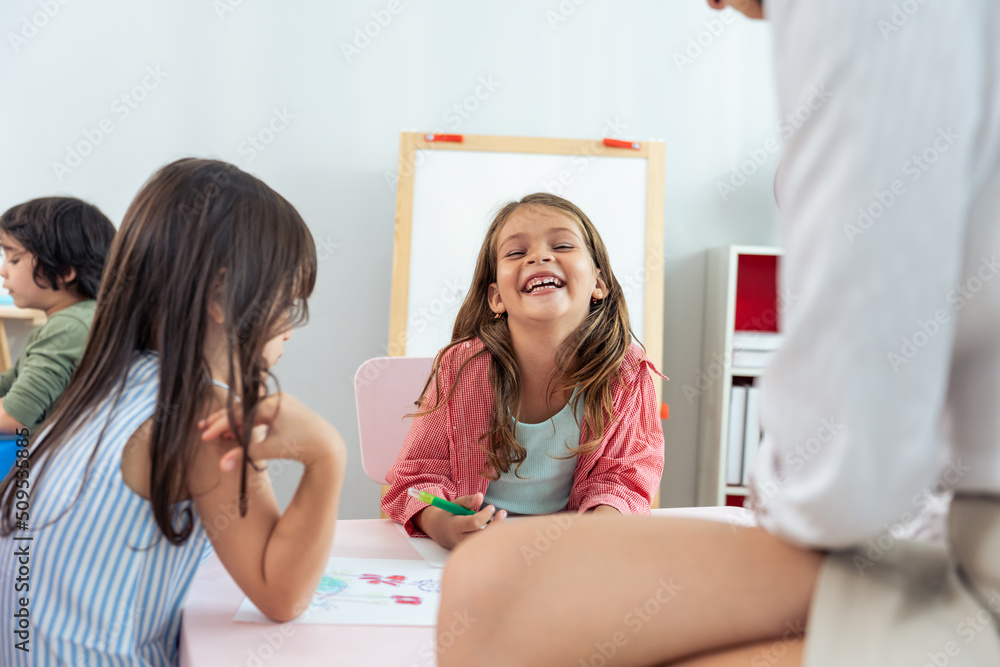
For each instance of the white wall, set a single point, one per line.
(575, 68)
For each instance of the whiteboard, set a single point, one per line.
(448, 196)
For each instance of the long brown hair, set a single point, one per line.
(588, 360)
(193, 221)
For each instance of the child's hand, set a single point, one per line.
(449, 529)
(294, 432)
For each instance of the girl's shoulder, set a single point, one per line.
(454, 357)
(635, 365)
(462, 367)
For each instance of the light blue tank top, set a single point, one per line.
(542, 485)
(106, 588)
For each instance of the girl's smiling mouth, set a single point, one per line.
(542, 282)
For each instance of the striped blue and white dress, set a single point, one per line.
(106, 588)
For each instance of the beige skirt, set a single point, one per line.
(901, 603)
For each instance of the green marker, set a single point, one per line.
(433, 500)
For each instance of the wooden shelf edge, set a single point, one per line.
(14, 313)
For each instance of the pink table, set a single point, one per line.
(210, 637)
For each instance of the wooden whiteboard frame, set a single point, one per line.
(653, 152)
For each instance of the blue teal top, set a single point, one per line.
(104, 586)
(545, 478)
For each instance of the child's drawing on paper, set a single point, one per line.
(429, 585)
(358, 591)
(344, 587)
(330, 585)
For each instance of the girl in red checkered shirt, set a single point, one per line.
(541, 347)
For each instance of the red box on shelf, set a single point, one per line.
(735, 501)
(757, 293)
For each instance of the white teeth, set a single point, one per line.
(547, 282)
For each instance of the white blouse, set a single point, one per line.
(887, 389)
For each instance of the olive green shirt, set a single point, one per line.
(51, 354)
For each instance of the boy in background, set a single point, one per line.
(53, 255)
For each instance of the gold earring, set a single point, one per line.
(496, 316)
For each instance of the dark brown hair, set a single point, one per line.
(62, 233)
(199, 232)
(588, 360)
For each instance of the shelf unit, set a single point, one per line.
(740, 295)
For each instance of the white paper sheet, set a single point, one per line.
(433, 553)
(368, 591)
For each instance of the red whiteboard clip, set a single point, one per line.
(618, 143)
(455, 138)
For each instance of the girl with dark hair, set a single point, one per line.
(148, 458)
(541, 403)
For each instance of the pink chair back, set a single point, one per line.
(385, 389)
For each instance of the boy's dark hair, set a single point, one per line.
(62, 233)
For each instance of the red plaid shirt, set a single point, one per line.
(442, 453)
